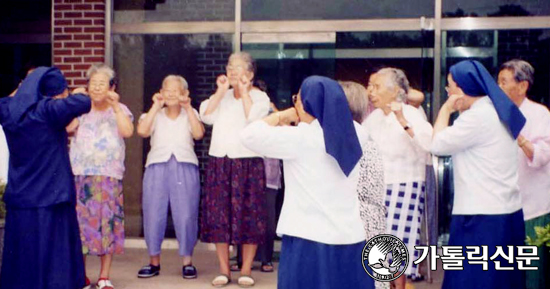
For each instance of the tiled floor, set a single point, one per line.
(125, 268)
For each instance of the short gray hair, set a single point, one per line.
(397, 78)
(522, 70)
(358, 100)
(100, 68)
(178, 78)
(246, 57)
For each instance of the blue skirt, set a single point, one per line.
(306, 264)
(42, 249)
(491, 230)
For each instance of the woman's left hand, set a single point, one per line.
(185, 100)
(397, 108)
(112, 99)
(244, 85)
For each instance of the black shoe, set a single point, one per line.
(189, 272)
(149, 271)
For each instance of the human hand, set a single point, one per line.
(288, 117)
(244, 85)
(184, 100)
(223, 83)
(158, 100)
(113, 99)
(81, 90)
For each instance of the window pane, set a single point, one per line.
(494, 47)
(489, 8)
(173, 10)
(258, 10)
(353, 56)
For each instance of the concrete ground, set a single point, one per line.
(125, 268)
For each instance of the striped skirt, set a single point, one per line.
(405, 205)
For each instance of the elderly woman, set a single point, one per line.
(515, 79)
(403, 137)
(97, 157)
(234, 209)
(487, 203)
(42, 248)
(320, 220)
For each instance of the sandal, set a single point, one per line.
(221, 281)
(245, 281)
(267, 267)
(104, 283)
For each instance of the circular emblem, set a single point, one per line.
(386, 256)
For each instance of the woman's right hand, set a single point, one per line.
(288, 117)
(223, 83)
(158, 100)
(81, 90)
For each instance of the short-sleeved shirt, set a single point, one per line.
(97, 148)
(172, 137)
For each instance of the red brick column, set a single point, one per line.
(78, 37)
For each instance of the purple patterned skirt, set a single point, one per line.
(234, 208)
(100, 214)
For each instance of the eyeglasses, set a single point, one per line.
(235, 68)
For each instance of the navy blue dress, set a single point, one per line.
(42, 247)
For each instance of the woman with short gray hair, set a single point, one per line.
(403, 138)
(533, 144)
(357, 97)
(97, 154)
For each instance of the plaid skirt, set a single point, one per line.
(234, 208)
(405, 205)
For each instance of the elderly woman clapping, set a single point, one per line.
(320, 219)
(403, 137)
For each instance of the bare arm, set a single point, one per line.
(197, 128)
(527, 147)
(145, 125)
(123, 121)
(215, 99)
(444, 115)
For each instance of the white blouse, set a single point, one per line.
(321, 203)
(534, 175)
(485, 162)
(172, 137)
(404, 157)
(229, 120)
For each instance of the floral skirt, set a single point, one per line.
(100, 214)
(234, 208)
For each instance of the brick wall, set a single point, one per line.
(78, 37)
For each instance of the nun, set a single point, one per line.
(42, 247)
(487, 206)
(320, 219)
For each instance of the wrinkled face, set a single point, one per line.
(170, 91)
(381, 95)
(98, 86)
(508, 83)
(370, 84)
(235, 69)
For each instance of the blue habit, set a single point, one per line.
(42, 247)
